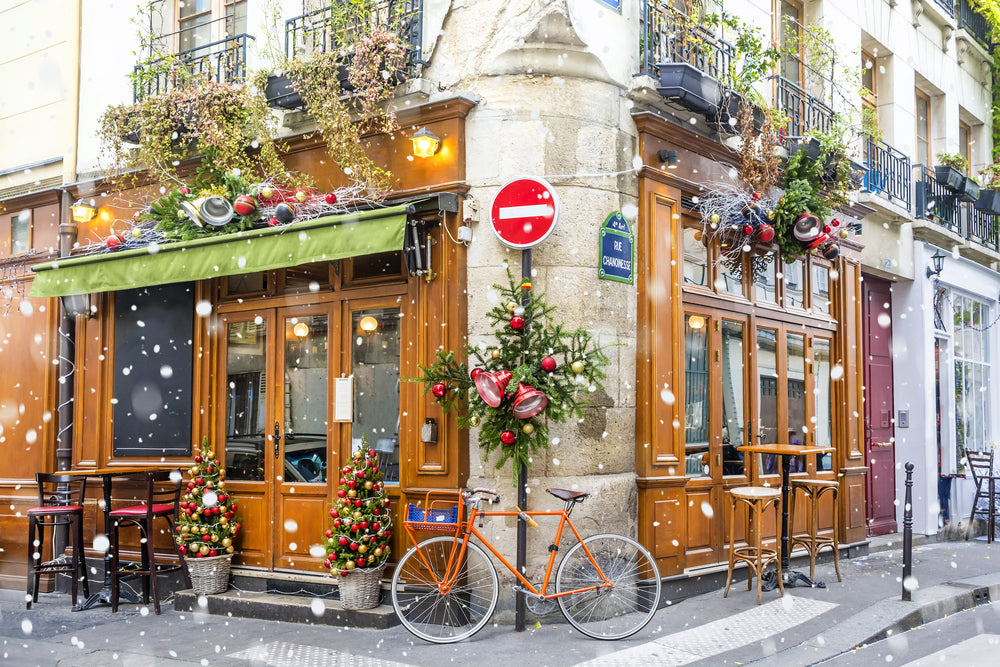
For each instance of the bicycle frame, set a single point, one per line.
(468, 529)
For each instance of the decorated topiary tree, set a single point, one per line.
(358, 537)
(207, 523)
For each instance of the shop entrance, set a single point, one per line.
(303, 385)
(880, 451)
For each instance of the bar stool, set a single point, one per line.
(754, 554)
(811, 540)
(60, 501)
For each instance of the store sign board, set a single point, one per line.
(617, 250)
(524, 212)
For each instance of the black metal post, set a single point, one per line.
(522, 474)
(908, 533)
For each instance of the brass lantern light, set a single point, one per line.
(425, 143)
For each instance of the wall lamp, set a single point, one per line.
(368, 324)
(938, 261)
(668, 158)
(76, 304)
(425, 143)
(83, 211)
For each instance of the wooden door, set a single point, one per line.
(880, 452)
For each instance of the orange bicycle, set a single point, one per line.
(445, 588)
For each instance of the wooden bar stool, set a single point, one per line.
(60, 501)
(811, 540)
(754, 554)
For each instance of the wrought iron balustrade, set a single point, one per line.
(887, 173)
(973, 23)
(980, 226)
(222, 61)
(317, 31)
(947, 6)
(668, 36)
(804, 111)
(935, 202)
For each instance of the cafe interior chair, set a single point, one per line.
(60, 502)
(813, 490)
(161, 491)
(981, 467)
(756, 556)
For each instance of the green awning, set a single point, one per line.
(323, 239)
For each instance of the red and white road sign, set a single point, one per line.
(524, 212)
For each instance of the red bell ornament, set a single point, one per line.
(528, 401)
(491, 386)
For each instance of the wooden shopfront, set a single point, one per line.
(724, 361)
(285, 361)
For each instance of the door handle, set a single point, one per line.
(277, 438)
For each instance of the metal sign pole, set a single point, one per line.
(522, 475)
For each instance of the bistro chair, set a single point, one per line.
(60, 502)
(981, 465)
(813, 491)
(161, 500)
(756, 556)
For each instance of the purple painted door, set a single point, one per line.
(880, 452)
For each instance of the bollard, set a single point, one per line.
(908, 532)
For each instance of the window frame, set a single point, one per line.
(926, 139)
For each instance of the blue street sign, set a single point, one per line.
(613, 4)
(617, 250)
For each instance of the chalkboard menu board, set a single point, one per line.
(154, 356)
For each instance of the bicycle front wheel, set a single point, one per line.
(450, 616)
(612, 612)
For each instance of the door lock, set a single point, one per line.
(277, 438)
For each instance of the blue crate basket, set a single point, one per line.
(419, 518)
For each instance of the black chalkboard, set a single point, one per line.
(154, 357)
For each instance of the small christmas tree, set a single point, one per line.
(207, 523)
(359, 533)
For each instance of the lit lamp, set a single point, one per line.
(937, 259)
(83, 212)
(668, 158)
(301, 329)
(368, 324)
(425, 143)
(696, 322)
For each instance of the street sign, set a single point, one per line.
(617, 250)
(524, 212)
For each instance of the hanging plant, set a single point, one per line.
(535, 371)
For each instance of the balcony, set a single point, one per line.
(946, 6)
(315, 32)
(887, 173)
(974, 24)
(222, 61)
(668, 36)
(937, 204)
(805, 112)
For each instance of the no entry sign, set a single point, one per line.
(524, 212)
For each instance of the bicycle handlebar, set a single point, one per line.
(468, 493)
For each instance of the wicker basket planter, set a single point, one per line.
(209, 575)
(360, 588)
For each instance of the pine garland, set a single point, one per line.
(207, 522)
(528, 343)
(360, 524)
(173, 222)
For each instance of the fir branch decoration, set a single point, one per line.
(539, 353)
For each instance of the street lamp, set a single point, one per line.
(938, 261)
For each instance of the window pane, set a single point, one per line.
(696, 406)
(823, 427)
(923, 140)
(246, 387)
(797, 429)
(20, 233)
(821, 289)
(731, 275)
(306, 361)
(375, 366)
(695, 258)
(794, 275)
(767, 378)
(765, 286)
(732, 398)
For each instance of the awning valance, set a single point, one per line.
(323, 239)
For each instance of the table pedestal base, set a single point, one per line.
(104, 596)
(789, 578)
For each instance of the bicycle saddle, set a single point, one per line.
(563, 494)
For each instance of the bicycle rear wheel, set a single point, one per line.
(459, 613)
(620, 610)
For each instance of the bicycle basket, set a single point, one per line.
(419, 518)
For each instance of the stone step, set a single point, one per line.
(281, 607)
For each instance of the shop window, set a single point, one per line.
(795, 288)
(20, 233)
(767, 400)
(731, 275)
(733, 387)
(154, 354)
(696, 396)
(820, 289)
(375, 368)
(695, 258)
(306, 359)
(798, 432)
(247, 284)
(765, 286)
(823, 417)
(246, 398)
(972, 374)
(307, 277)
(379, 267)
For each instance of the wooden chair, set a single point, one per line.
(60, 501)
(161, 499)
(754, 554)
(813, 490)
(981, 466)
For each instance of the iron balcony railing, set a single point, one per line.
(947, 6)
(973, 23)
(805, 112)
(936, 203)
(887, 173)
(669, 36)
(223, 61)
(980, 227)
(315, 32)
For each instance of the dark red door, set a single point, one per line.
(880, 452)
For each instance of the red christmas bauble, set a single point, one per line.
(198, 459)
(475, 372)
(185, 190)
(376, 525)
(747, 229)
(330, 198)
(343, 573)
(364, 525)
(343, 541)
(517, 322)
(326, 564)
(329, 533)
(182, 549)
(244, 205)
(548, 364)
(351, 484)
(199, 481)
(114, 241)
(439, 390)
(371, 452)
(336, 522)
(357, 503)
(213, 552)
(273, 222)
(341, 493)
(508, 437)
(333, 512)
(361, 562)
(354, 546)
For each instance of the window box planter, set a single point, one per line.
(949, 177)
(989, 200)
(809, 144)
(728, 115)
(280, 92)
(969, 191)
(690, 87)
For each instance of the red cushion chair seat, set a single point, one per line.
(56, 509)
(140, 510)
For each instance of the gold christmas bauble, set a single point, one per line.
(185, 529)
(844, 233)
(349, 565)
(136, 232)
(362, 549)
(226, 542)
(369, 485)
(528, 428)
(495, 353)
(301, 195)
(266, 193)
(511, 305)
(357, 514)
(770, 214)
(352, 493)
(229, 550)
(215, 538)
(204, 550)
(223, 520)
(714, 218)
(473, 420)
(577, 367)
(377, 552)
